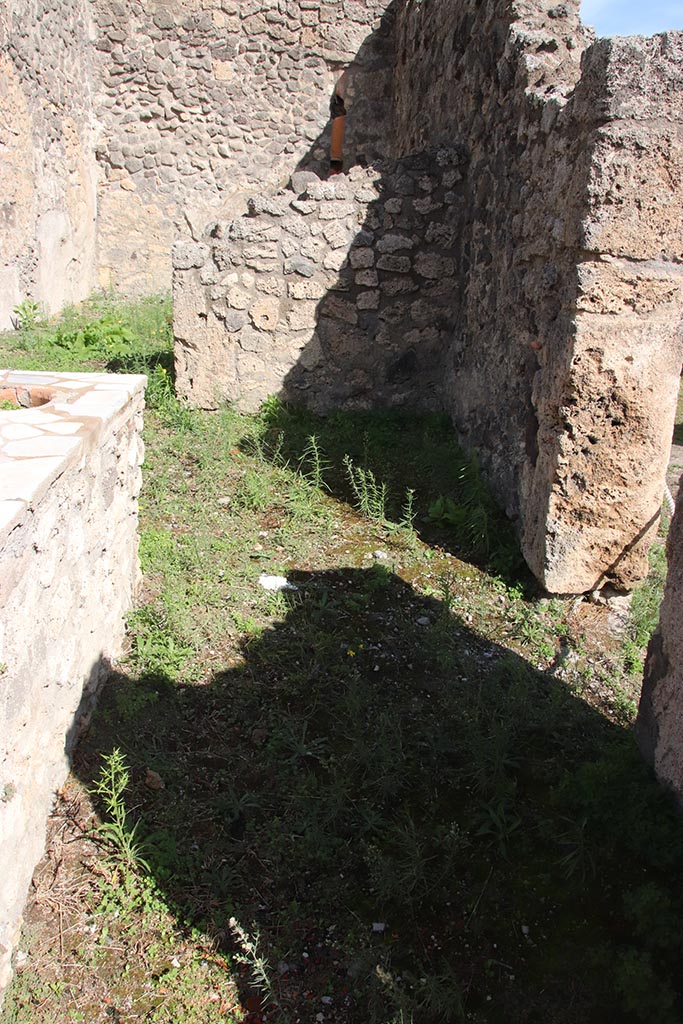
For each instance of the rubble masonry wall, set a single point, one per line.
(125, 125)
(48, 177)
(323, 294)
(564, 367)
(203, 102)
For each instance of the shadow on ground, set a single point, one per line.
(412, 819)
(407, 467)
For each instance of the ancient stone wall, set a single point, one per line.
(68, 564)
(541, 303)
(332, 293)
(124, 125)
(564, 366)
(203, 102)
(659, 726)
(554, 333)
(606, 424)
(47, 163)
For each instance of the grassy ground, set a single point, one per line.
(403, 789)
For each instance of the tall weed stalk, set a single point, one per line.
(369, 495)
(121, 835)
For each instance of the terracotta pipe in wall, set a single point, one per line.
(338, 112)
(337, 145)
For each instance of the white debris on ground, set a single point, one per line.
(275, 582)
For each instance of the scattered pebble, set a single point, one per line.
(153, 780)
(423, 620)
(378, 926)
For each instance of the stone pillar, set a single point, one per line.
(606, 409)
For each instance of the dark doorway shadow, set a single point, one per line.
(413, 819)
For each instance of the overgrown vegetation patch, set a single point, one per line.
(401, 789)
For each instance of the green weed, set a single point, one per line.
(27, 315)
(369, 495)
(155, 648)
(313, 464)
(408, 512)
(249, 953)
(118, 832)
(498, 824)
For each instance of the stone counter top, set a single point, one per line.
(38, 441)
(70, 473)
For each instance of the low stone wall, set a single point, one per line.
(69, 480)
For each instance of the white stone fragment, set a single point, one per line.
(64, 427)
(72, 385)
(31, 377)
(275, 582)
(100, 404)
(38, 415)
